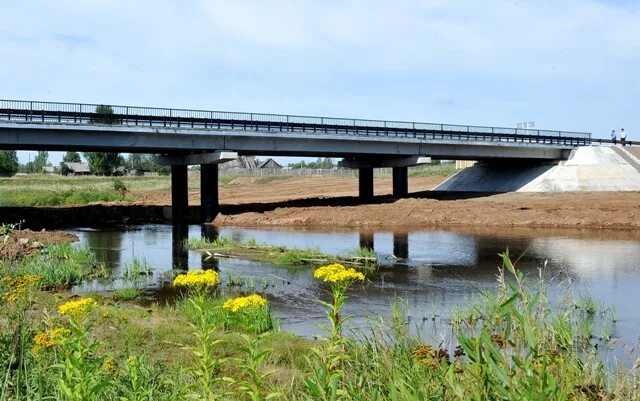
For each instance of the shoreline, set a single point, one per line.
(618, 211)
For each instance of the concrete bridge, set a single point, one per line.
(208, 138)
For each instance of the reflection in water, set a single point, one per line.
(180, 254)
(366, 240)
(401, 245)
(443, 270)
(210, 233)
(107, 248)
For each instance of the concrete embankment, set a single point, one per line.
(589, 168)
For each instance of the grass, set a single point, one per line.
(59, 266)
(443, 170)
(31, 197)
(251, 250)
(510, 345)
(136, 269)
(127, 294)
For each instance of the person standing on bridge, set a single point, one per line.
(623, 136)
(613, 136)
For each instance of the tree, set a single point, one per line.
(142, 161)
(104, 163)
(104, 115)
(8, 162)
(71, 157)
(39, 162)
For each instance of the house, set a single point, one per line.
(269, 164)
(73, 168)
(49, 170)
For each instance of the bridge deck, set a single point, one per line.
(92, 114)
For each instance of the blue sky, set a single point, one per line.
(569, 65)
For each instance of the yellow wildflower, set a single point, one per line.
(197, 278)
(77, 308)
(107, 364)
(17, 286)
(48, 339)
(337, 273)
(248, 302)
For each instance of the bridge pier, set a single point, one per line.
(400, 182)
(365, 183)
(179, 194)
(209, 205)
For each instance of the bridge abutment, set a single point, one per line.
(365, 183)
(400, 182)
(209, 204)
(179, 194)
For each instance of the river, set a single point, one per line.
(433, 271)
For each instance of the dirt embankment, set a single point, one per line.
(576, 210)
(332, 201)
(16, 243)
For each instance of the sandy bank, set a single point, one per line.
(620, 210)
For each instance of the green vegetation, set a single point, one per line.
(58, 266)
(37, 165)
(103, 163)
(432, 170)
(136, 269)
(224, 246)
(127, 294)
(210, 345)
(320, 163)
(57, 198)
(8, 162)
(43, 190)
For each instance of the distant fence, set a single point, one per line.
(302, 172)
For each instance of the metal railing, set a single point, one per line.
(77, 113)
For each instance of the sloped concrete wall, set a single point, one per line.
(589, 168)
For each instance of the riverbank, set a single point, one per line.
(612, 210)
(332, 201)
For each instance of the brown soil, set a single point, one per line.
(24, 242)
(244, 190)
(619, 210)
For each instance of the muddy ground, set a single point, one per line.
(16, 243)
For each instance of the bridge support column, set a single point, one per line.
(208, 192)
(400, 182)
(179, 194)
(365, 183)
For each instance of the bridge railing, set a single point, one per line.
(77, 113)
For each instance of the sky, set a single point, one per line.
(569, 65)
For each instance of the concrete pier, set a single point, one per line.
(179, 193)
(400, 182)
(209, 205)
(365, 183)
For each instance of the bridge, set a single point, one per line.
(209, 138)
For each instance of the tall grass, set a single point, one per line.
(59, 265)
(30, 197)
(511, 345)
